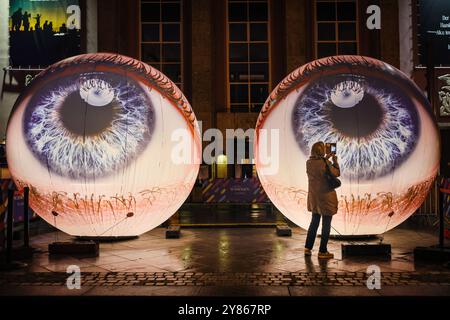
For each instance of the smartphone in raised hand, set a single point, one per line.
(333, 148)
(330, 148)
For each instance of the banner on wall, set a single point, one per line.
(434, 25)
(232, 190)
(42, 32)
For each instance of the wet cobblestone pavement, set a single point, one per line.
(226, 279)
(228, 261)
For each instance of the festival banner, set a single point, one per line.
(43, 31)
(233, 190)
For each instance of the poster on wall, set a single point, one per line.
(233, 190)
(42, 32)
(434, 26)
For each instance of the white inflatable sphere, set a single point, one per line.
(92, 137)
(386, 135)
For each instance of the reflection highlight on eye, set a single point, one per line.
(88, 126)
(96, 92)
(347, 94)
(373, 123)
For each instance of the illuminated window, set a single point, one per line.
(336, 28)
(161, 37)
(222, 171)
(248, 54)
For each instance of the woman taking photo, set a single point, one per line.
(322, 198)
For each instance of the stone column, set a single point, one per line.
(202, 75)
(296, 37)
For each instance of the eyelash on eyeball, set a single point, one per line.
(76, 157)
(154, 76)
(302, 74)
(370, 157)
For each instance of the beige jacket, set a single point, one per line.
(321, 198)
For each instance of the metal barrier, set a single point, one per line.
(441, 216)
(10, 224)
(23, 76)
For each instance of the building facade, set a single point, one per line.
(228, 55)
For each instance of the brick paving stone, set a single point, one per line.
(227, 279)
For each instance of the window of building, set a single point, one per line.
(161, 37)
(336, 28)
(222, 171)
(248, 54)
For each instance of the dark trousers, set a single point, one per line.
(312, 232)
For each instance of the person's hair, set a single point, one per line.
(318, 149)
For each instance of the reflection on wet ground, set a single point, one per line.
(230, 250)
(228, 262)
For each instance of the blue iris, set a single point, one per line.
(75, 139)
(374, 135)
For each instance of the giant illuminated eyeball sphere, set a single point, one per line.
(387, 142)
(108, 145)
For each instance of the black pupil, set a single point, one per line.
(81, 119)
(367, 112)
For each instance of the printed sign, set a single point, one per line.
(43, 31)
